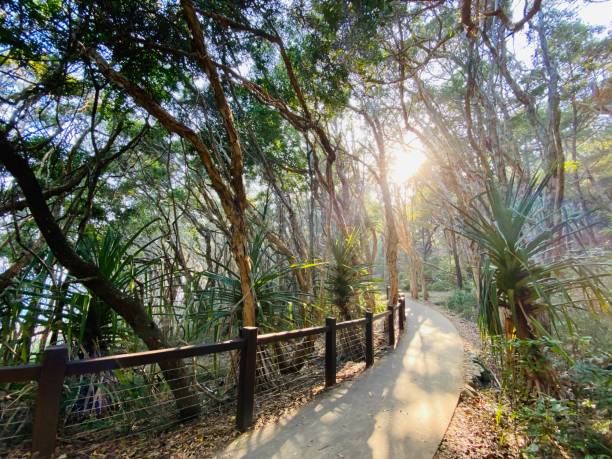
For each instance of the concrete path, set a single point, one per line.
(399, 408)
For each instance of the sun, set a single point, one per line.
(404, 162)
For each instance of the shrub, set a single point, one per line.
(441, 285)
(577, 425)
(462, 302)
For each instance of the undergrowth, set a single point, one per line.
(576, 421)
(462, 302)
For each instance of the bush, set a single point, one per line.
(577, 425)
(441, 285)
(462, 302)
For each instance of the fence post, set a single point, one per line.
(369, 339)
(387, 294)
(246, 378)
(391, 325)
(330, 352)
(402, 313)
(47, 412)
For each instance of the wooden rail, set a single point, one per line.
(381, 315)
(351, 323)
(20, 373)
(55, 367)
(287, 335)
(113, 362)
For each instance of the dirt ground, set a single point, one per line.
(473, 431)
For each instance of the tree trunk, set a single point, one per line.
(414, 280)
(235, 206)
(391, 237)
(239, 251)
(581, 198)
(554, 148)
(538, 368)
(458, 274)
(424, 286)
(128, 307)
(407, 243)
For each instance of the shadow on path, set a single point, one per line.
(399, 408)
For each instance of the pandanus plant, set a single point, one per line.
(347, 281)
(528, 285)
(38, 310)
(92, 322)
(278, 307)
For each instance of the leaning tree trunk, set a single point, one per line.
(233, 197)
(128, 307)
(233, 200)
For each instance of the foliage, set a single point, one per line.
(277, 308)
(440, 285)
(462, 302)
(92, 323)
(577, 426)
(521, 278)
(347, 281)
(295, 74)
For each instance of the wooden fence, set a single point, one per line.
(56, 366)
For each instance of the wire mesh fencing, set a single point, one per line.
(350, 351)
(288, 370)
(350, 344)
(141, 400)
(396, 321)
(16, 415)
(380, 336)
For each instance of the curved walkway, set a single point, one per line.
(400, 408)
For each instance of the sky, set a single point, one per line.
(597, 13)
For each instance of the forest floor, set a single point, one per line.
(473, 431)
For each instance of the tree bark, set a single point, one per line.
(554, 148)
(406, 242)
(239, 239)
(574, 149)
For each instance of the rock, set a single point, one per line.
(468, 392)
(480, 375)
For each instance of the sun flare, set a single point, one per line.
(404, 163)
